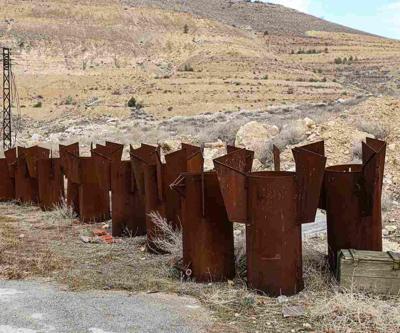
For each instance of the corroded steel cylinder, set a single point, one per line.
(26, 188)
(273, 234)
(344, 201)
(7, 186)
(187, 159)
(352, 199)
(94, 201)
(51, 183)
(127, 204)
(208, 248)
(273, 205)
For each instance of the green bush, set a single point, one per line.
(132, 102)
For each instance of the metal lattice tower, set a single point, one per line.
(7, 138)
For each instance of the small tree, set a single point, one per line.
(185, 29)
(132, 102)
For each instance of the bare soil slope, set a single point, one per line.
(259, 16)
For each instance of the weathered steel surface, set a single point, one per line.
(310, 167)
(94, 201)
(207, 234)
(187, 159)
(26, 188)
(353, 202)
(128, 213)
(72, 188)
(7, 186)
(273, 205)
(277, 158)
(32, 156)
(149, 174)
(51, 183)
(232, 172)
(105, 156)
(11, 157)
(273, 234)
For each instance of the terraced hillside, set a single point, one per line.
(75, 58)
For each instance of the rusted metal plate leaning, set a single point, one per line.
(352, 199)
(273, 205)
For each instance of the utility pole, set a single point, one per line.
(7, 138)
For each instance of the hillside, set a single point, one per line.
(259, 16)
(89, 58)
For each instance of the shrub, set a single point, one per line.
(132, 102)
(338, 61)
(188, 68)
(185, 29)
(378, 130)
(38, 104)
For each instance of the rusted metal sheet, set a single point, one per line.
(149, 174)
(273, 234)
(32, 156)
(353, 202)
(72, 188)
(128, 214)
(7, 186)
(11, 157)
(187, 159)
(277, 158)
(105, 156)
(273, 205)
(310, 167)
(208, 249)
(94, 201)
(51, 183)
(232, 172)
(26, 188)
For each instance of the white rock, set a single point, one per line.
(255, 136)
(309, 122)
(392, 147)
(391, 229)
(212, 152)
(36, 137)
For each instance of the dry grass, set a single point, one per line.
(379, 131)
(168, 239)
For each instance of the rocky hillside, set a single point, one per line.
(258, 16)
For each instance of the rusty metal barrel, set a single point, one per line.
(51, 183)
(150, 175)
(352, 199)
(128, 213)
(94, 201)
(208, 249)
(188, 159)
(26, 180)
(72, 188)
(273, 205)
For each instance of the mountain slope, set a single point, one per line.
(275, 19)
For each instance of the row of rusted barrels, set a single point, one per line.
(272, 205)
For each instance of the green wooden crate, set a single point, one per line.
(376, 272)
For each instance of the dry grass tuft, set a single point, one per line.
(168, 240)
(378, 130)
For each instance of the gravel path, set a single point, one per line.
(34, 307)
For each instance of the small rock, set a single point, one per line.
(307, 326)
(85, 239)
(282, 299)
(391, 229)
